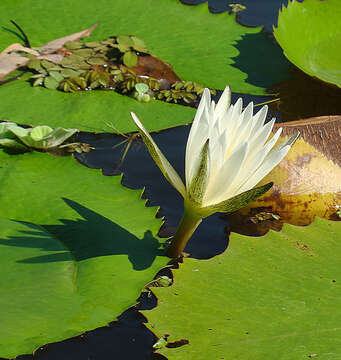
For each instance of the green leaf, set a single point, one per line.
(40, 132)
(5, 130)
(69, 73)
(12, 144)
(125, 40)
(88, 251)
(310, 35)
(130, 58)
(57, 76)
(141, 88)
(39, 137)
(51, 83)
(210, 49)
(139, 44)
(96, 61)
(271, 297)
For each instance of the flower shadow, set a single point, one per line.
(90, 237)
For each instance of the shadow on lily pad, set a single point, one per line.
(90, 237)
(262, 59)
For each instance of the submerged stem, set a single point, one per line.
(185, 230)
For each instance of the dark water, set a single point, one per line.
(128, 338)
(257, 12)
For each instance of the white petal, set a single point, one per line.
(272, 160)
(193, 151)
(237, 110)
(167, 169)
(259, 119)
(242, 133)
(225, 121)
(223, 103)
(217, 155)
(219, 186)
(260, 137)
(211, 118)
(248, 112)
(234, 124)
(199, 126)
(255, 160)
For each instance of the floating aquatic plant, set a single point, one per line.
(109, 65)
(141, 92)
(40, 137)
(227, 154)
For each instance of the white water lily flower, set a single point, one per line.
(228, 153)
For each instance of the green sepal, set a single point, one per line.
(166, 168)
(198, 183)
(233, 204)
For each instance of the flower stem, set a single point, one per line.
(185, 230)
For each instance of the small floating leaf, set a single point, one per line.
(83, 66)
(92, 44)
(38, 82)
(56, 75)
(51, 83)
(138, 44)
(72, 59)
(13, 145)
(96, 61)
(69, 73)
(35, 65)
(40, 131)
(125, 40)
(72, 45)
(47, 64)
(141, 87)
(130, 58)
(79, 81)
(85, 53)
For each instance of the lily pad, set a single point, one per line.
(77, 252)
(200, 47)
(277, 296)
(310, 36)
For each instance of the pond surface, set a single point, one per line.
(128, 338)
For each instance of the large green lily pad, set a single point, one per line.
(200, 46)
(271, 297)
(310, 35)
(85, 251)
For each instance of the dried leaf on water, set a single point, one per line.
(11, 60)
(153, 67)
(55, 45)
(307, 183)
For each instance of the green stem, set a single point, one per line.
(185, 230)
